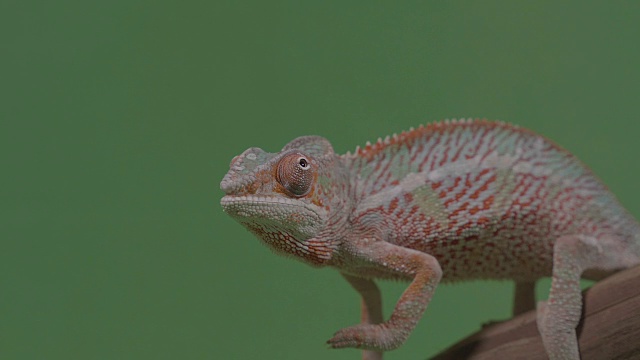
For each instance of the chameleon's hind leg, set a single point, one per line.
(371, 307)
(524, 298)
(558, 317)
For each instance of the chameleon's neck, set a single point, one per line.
(334, 186)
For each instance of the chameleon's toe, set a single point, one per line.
(363, 336)
(347, 337)
(367, 336)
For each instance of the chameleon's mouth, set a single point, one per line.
(268, 207)
(248, 200)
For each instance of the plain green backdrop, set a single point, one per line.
(119, 119)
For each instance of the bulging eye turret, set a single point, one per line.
(295, 174)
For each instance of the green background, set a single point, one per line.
(119, 119)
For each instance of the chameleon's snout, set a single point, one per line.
(235, 184)
(227, 185)
(243, 170)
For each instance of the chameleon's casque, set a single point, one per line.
(456, 200)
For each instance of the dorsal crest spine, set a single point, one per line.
(414, 133)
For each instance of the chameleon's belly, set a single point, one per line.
(507, 249)
(492, 258)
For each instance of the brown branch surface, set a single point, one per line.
(610, 327)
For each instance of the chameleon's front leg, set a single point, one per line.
(422, 269)
(524, 298)
(371, 308)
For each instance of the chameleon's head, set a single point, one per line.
(284, 198)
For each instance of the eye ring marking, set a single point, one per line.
(294, 175)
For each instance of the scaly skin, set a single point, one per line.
(456, 200)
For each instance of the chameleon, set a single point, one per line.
(450, 201)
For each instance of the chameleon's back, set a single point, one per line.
(487, 199)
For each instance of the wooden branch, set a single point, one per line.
(610, 327)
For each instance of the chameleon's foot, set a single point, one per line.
(559, 338)
(379, 337)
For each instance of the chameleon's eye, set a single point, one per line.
(294, 175)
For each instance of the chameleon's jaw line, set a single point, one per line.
(274, 219)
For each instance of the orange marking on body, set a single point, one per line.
(457, 197)
(482, 173)
(460, 149)
(444, 159)
(413, 211)
(464, 227)
(417, 152)
(460, 194)
(467, 182)
(452, 224)
(525, 188)
(408, 197)
(460, 209)
(393, 205)
(488, 202)
(455, 185)
(484, 187)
